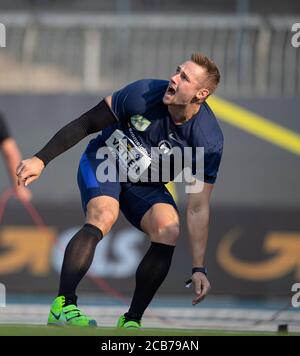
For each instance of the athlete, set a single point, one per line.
(147, 113)
(12, 157)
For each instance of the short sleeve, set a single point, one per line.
(131, 100)
(4, 133)
(212, 160)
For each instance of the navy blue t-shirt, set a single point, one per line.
(145, 120)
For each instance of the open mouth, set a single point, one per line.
(170, 90)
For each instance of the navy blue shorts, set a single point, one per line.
(135, 198)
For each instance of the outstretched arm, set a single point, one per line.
(12, 157)
(197, 214)
(92, 121)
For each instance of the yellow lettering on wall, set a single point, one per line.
(286, 246)
(26, 247)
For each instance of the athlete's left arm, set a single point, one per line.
(197, 215)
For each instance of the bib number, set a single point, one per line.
(132, 160)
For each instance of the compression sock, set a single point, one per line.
(78, 258)
(149, 276)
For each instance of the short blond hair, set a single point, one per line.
(213, 74)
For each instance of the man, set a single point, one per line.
(12, 157)
(145, 113)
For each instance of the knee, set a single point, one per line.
(102, 217)
(167, 234)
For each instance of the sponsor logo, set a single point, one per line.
(285, 250)
(165, 147)
(56, 316)
(132, 161)
(26, 248)
(117, 257)
(139, 122)
(171, 135)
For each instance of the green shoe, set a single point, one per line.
(69, 315)
(130, 324)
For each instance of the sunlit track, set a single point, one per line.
(176, 318)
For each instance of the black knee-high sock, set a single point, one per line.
(149, 276)
(78, 257)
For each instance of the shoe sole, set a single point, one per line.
(62, 324)
(56, 324)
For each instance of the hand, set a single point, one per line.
(23, 193)
(202, 286)
(29, 170)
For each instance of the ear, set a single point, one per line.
(202, 94)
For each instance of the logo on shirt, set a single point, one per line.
(139, 122)
(165, 147)
(171, 135)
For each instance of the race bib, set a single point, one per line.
(133, 161)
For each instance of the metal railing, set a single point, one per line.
(103, 52)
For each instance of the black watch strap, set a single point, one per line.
(194, 270)
(199, 269)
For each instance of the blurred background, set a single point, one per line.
(62, 56)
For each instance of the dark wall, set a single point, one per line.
(252, 252)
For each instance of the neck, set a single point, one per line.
(181, 114)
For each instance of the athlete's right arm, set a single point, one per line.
(90, 122)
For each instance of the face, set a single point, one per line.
(186, 85)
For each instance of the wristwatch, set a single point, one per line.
(199, 269)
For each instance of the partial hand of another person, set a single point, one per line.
(29, 170)
(23, 193)
(202, 286)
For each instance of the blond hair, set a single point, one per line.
(212, 71)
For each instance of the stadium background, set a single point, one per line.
(62, 56)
